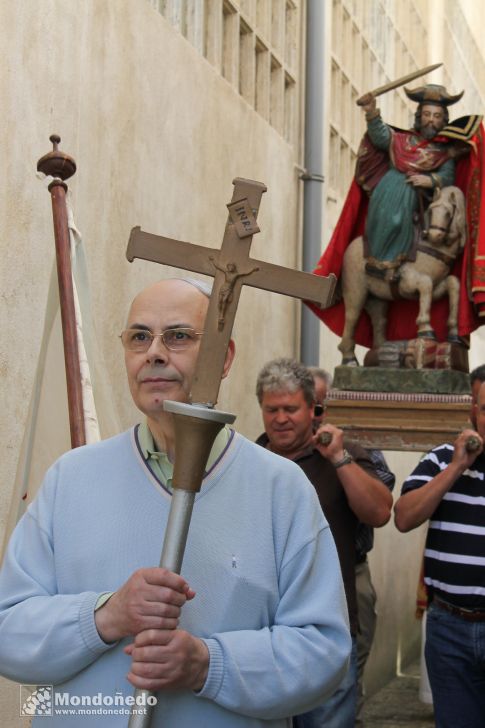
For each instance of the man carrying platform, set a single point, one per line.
(348, 489)
(447, 490)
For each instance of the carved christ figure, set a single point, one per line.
(231, 275)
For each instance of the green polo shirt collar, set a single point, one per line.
(158, 461)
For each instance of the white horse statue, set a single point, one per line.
(427, 278)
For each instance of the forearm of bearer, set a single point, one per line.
(416, 506)
(369, 498)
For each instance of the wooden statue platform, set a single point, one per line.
(393, 421)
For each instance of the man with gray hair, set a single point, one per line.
(347, 488)
(252, 631)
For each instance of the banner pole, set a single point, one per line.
(61, 166)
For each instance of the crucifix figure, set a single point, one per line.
(231, 268)
(231, 275)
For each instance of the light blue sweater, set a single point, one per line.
(270, 602)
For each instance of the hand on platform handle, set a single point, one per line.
(329, 441)
(468, 446)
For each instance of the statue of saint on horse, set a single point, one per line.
(402, 180)
(427, 278)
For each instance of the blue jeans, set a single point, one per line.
(338, 711)
(455, 658)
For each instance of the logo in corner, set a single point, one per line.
(35, 700)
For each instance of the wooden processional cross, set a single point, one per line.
(231, 268)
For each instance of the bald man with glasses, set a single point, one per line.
(252, 632)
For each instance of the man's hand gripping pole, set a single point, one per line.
(196, 428)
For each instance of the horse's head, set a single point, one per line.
(447, 225)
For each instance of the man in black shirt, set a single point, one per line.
(347, 487)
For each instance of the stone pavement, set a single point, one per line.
(397, 705)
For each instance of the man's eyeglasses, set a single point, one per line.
(140, 340)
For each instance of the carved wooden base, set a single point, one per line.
(390, 421)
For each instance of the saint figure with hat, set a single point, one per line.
(397, 173)
(397, 167)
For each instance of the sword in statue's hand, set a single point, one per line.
(398, 82)
(198, 423)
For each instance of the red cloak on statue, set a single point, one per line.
(469, 267)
